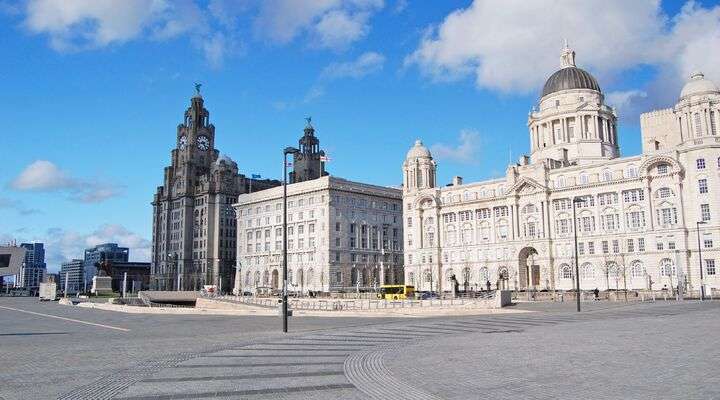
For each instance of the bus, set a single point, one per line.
(396, 292)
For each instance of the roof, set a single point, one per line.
(569, 78)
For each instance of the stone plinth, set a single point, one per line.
(101, 285)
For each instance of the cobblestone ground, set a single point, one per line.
(611, 350)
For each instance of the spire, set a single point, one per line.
(567, 57)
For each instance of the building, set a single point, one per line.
(12, 258)
(74, 271)
(309, 162)
(637, 217)
(193, 239)
(106, 251)
(342, 235)
(34, 267)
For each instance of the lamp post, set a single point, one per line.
(702, 287)
(577, 266)
(288, 150)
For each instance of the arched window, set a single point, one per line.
(637, 270)
(565, 272)
(560, 181)
(584, 178)
(663, 168)
(466, 275)
(587, 271)
(606, 175)
(449, 274)
(503, 273)
(667, 267)
(354, 276)
(612, 270)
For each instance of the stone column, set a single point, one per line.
(563, 129)
(597, 127)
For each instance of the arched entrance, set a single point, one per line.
(528, 270)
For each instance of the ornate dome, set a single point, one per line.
(698, 85)
(569, 78)
(418, 151)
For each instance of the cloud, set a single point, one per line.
(10, 204)
(331, 24)
(82, 24)
(511, 50)
(465, 152)
(365, 64)
(44, 176)
(622, 99)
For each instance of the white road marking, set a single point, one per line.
(67, 319)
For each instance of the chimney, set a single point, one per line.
(457, 180)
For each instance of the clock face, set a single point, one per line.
(183, 142)
(203, 143)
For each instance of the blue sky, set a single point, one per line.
(92, 91)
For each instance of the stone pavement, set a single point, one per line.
(612, 350)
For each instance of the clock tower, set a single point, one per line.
(309, 163)
(194, 230)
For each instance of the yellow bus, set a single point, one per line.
(396, 292)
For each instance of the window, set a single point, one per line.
(630, 246)
(591, 248)
(587, 271)
(713, 124)
(667, 268)
(566, 272)
(664, 193)
(710, 267)
(606, 175)
(610, 222)
(667, 216)
(705, 212)
(708, 243)
(637, 270)
(616, 246)
(641, 244)
(632, 171)
(605, 199)
(581, 248)
(633, 195)
(700, 163)
(409, 222)
(702, 186)
(698, 125)
(660, 245)
(635, 219)
(605, 247)
(662, 169)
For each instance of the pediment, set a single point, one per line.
(526, 186)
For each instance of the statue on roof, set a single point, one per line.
(197, 88)
(567, 57)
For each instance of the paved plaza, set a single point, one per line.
(609, 351)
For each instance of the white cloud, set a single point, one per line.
(514, 48)
(44, 176)
(10, 204)
(365, 64)
(331, 23)
(622, 99)
(465, 152)
(79, 24)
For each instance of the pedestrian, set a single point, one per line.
(597, 294)
(488, 285)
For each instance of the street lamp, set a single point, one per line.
(702, 287)
(288, 150)
(576, 200)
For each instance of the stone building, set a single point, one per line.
(193, 240)
(637, 217)
(342, 235)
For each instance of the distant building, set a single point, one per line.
(34, 267)
(193, 239)
(73, 269)
(108, 251)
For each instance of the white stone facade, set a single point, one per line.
(637, 225)
(342, 235)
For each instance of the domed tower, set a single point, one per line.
(419, 169)
(698, 108)
(571, 123)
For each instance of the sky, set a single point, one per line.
(93, 90)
